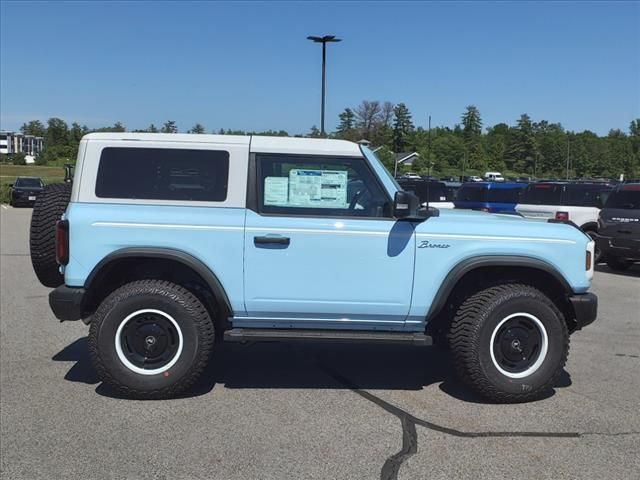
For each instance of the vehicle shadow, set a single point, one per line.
(308, 366)
(633, 271)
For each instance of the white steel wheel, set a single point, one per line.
(149, 341)
(519, 345)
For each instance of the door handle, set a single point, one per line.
(267, 240)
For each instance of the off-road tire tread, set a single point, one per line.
(197, 313)
(49, 207)
(464, 341)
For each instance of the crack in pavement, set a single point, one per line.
(392, 465)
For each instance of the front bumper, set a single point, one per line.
(585, 307)
(608, 246)
(68, 303)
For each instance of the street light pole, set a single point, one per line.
(323, 40)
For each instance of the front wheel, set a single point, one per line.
(509, 343)
(150, 339)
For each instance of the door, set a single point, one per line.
(321, 248)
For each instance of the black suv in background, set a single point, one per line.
(25, 190)
(619, 227)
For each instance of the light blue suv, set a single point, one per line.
(167, 242)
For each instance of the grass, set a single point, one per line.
(8, 174)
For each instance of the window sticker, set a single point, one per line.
(276, 191)
(318, 188)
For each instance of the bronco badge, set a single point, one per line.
(426, 244)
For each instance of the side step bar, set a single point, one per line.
(348, 336)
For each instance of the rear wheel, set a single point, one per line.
(150, 339)
(49, 207)
(618, 264)
(509, 343)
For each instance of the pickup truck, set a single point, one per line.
(236, 238)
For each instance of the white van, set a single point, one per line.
(493, 177)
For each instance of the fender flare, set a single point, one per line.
(184, 258)
(473, 263)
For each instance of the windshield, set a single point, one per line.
(28, 182)
(373, 158)
(627, 198)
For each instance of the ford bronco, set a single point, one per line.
(240, 238)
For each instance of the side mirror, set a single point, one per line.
(406, 206)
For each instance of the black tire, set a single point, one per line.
(181, 368)
(597, 253)
(618, 264)
(49, 207)
(478, 326)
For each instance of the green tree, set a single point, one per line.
(197, 128)
(471, 126)
(57, 132)
(346, 127)
(169, 127)
(314, 132)
(402, 126)
(19, 159)
(152, 128)
(34, 127)
(524, 148)
(77, 132)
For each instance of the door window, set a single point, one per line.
(319, 186)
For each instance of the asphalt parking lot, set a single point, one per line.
(309, 411)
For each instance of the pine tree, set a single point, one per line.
(345, 129)
(197, 128)
(402, 126)
(169, 127)
(471, 126)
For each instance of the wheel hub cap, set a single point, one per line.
(149, 341)
(517, 344)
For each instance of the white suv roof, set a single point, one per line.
(258, 143)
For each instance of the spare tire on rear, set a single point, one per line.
(49, 207)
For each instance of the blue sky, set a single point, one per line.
(248, 65)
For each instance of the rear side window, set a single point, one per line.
(468, 193)
(504, 195)
(163, 174)
(542, 194)
(584, 195)
(627, 197)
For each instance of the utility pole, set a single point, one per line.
(323, 40)
(568, 147)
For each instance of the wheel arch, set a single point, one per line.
(104, 269)
(589, 226)
(509, 267)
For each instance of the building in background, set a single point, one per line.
(16, 142)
